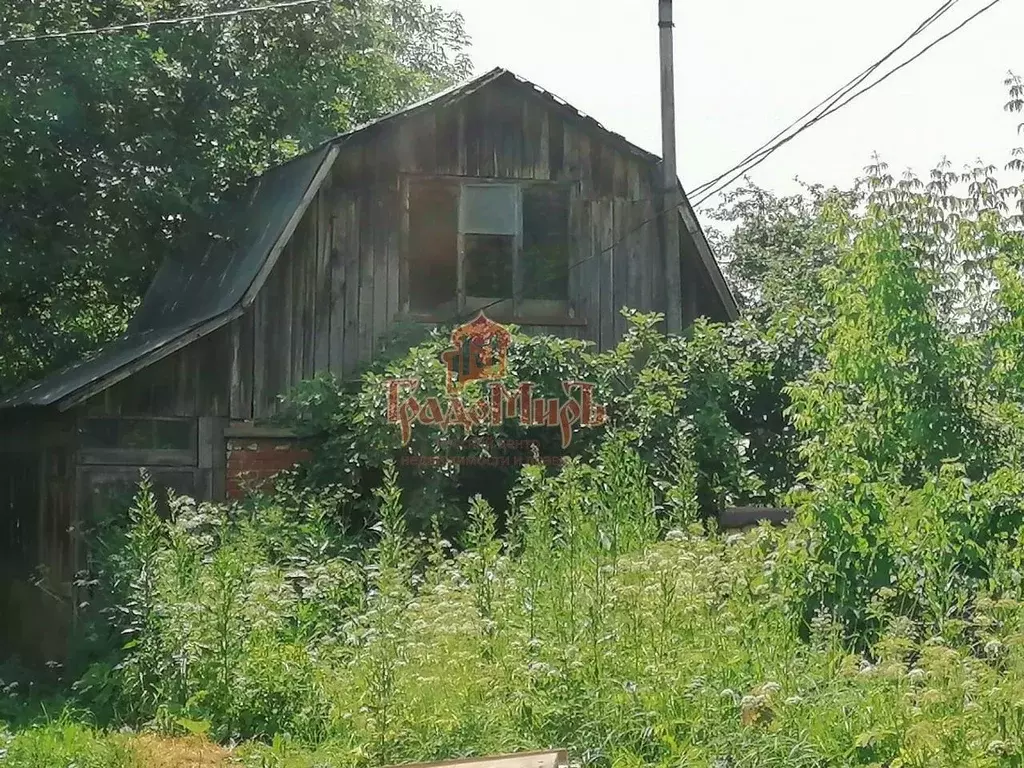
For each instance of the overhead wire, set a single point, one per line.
(115, 28)
(765, 153)
(837, 94)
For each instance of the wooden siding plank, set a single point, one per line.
(338, 232)
(306, 251)
(392, 229)
(649, 255)
(556, 148)
(571, 150)
(474, 118)
(403, 246)
(542, 160)
(259, 350)
(586, 168)
(322, 287)
(634, 251)
(447, 140)
(574, 254)
(606, 224)
(590, 287)
(425, 142)
(242, 366)
(352, 281)
(620, 175)
(620, 265)
(382, 263)
(366, 276)
(279, 358)
(462, 169)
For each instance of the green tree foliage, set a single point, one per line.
(110, 144)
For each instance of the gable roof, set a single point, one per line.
(214, 274)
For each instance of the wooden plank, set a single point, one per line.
(305, 321)
(620, 265)
(241, 381)
(531, 118)
(291, 340)
(382, 226)
(571, 150)
(575, 227)
(509, 147)
(634, 185)
(425, 142)
(392, 227)
(620, 174)
(488, 103)
(322, 285)
(634, 254)
(606, 224)
(352, 280)
(549, 759)
(213, 377)
(259, 354)
(590, 295)
(648, 255)
(338, 233)
(447, 140)
(542, 160)
(462, 168)
(586, 169)
(366, 276)
(403, 246)
(474, 123)
(556, 147)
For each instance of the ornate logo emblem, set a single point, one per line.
(479, 352)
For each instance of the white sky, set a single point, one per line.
(747, 68)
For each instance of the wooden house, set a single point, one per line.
(494, 193)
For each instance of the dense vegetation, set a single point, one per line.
(111, 144)
(371, 611)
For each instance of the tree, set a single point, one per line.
(111, 143)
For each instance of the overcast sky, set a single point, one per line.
(747, 68)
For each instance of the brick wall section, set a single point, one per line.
(252, 463)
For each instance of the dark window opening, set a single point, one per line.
(545, 243)
(433, 245)
(138, 434)
(489, 265)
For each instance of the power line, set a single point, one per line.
(764, 153)
(831, 99)
(162, 22)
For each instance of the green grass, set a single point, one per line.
(586, 630)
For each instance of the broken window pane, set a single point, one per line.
(489, 265)
(489, 209)
(433, 245)
(545, 242)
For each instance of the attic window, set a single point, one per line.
(496, 245)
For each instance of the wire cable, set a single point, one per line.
(832, 98)
(765, 153)
(162, 22)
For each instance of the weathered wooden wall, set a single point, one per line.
(338, 287)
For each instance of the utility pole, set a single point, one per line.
(670, 177)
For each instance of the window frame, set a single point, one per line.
(516, 308)
(122, 455)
